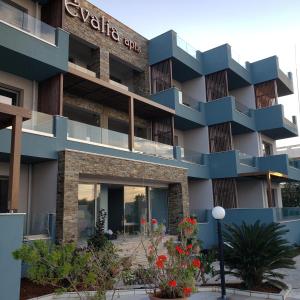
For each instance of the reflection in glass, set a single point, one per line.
(87, 194)
(135, 208)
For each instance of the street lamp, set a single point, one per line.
(218, 214)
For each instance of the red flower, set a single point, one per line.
(190, 246)
(193, 221)
(159, 264)
(187, 252)
(179, 250)
(153, 221)
(172, 283)
(162, 258)
(143, 221)
(187, 291)
(196, 263)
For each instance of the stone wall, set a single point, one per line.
(105, 112)
(72, 164)
(108, 46)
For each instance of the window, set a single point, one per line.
(3, 194)
(267, 149)
(9, 97)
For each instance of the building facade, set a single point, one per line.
(140, 128)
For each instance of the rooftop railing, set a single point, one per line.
(181, 43)
(153, 148)
(22, 21)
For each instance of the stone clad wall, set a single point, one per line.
(72, 164)
(108, 46)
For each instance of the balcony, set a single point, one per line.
(227, 109)
(29, 47)
(169, 45)
(271, 122)
(189, 111)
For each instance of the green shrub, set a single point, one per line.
(254, 253)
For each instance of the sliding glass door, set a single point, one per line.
(88, 195)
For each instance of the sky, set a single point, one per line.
(255, 29)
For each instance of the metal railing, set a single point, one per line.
(153, 148)
(189, 101)
(39, 122)
(182, 44)
(287, 213)
(192, 156)
(242, 108)
(247, 159)
(22, 21)
(98, 135)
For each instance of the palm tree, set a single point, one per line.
(255, 252)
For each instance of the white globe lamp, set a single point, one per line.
(218, 213)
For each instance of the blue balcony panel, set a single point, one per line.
(164, 46)
(225, 110)
(271, 122)
(26, 55)
(186, 117)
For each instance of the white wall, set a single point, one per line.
(197, 140)
(245, 96)
(195, 88)
(248, 143)
(201, 194)
(43, 197)
(28, 89)
(251, 193)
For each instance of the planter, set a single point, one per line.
(152, 297)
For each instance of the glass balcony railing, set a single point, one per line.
(189, 101)
(295, 163)
(289, 123)
(97, 135)
(153, 148)
(181, 43)
(287, 213)
(21, 20)
(236, 56)
(247, 159)
(242, 108)
(39, 122)
(192, 156)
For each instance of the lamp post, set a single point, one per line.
(218, 214)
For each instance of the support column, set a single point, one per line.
(131, 124)
(15, 160)
(104, 65)
(172, 130)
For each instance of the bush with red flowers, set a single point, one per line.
(175, 268)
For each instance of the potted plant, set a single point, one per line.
(173, 266)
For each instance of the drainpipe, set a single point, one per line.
(29, 194)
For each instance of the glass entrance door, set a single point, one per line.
(87, 202)
(135, 208)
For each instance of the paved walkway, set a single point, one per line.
(293, 278)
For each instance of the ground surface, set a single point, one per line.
(293, 278)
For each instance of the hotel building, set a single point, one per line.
(141, 128)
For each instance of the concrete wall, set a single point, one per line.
(250, 193)
(197, 140)
(248, 143)
(245, 96)
(10, 240)
(28, 89)
(195, 88)
(43, 196)
(201, 194)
